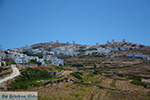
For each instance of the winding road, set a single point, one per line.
(14, 74)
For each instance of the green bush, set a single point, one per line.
(19, 84)
(87, 56)
(1, 69)
(97, 71)
(10, 62)
(33, 61)
(2, 64)
(120, 75)
(29, 77)
(77, 75)
(40, 55)
(60, 64)
(139, 83)
(77, 64)
(33, 74)
(59, 68)
(137, 78)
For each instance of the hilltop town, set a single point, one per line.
(101, 71)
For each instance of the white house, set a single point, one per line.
(76, 53)
(41, 61)
(25, 59)
(129, 55)
(18, 55)
(101, 49)
(57, 62)
(122, 48)
(109, 49)
(90, 52)
(17, 60)
(138, 55)
(116, 49)
(146, 57)
(87, 52)
(31, 57)
(47, 57)
(2, 55)
(56, 51)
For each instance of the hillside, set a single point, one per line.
(111, 44)
(120, 44)
(54, 45)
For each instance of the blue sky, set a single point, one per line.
(85, 21)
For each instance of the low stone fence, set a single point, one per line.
(57, 81)
(60, 72)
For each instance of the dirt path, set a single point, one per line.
(66, 72)
(14, 74)
(90, 94)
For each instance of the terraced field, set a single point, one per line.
(111, 83)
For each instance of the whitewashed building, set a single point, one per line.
(25, 59)
(41, 61)
(138, 55)
(129, 55)
(146, 57)
(47, 57)
(2, 55)
(110, 49)
(17, 60)
(116, 49)
(57, 62)
(122, 48)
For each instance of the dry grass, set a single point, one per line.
(68, 91)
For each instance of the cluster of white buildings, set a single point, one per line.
(19, 58)
(138, 55)
(2, 56)
(54, 60)
(105, 51)
(60, 51)
(32, 51)
(65, 51)
(22, 58)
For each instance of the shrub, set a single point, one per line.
(77, 64)
(113, 83)
(139, 83)
(97, 71)
(1, 69)
(76, 75)
(33, 61)
(29, 77)
(19, 84)
(76, 95)
(59, 68)
(137, 78)
(120, 75)
(10, 62)
(60, 64)
(2, 64)
(33, 74)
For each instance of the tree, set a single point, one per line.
(33, 61)
(60, 64)
(2, 64)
